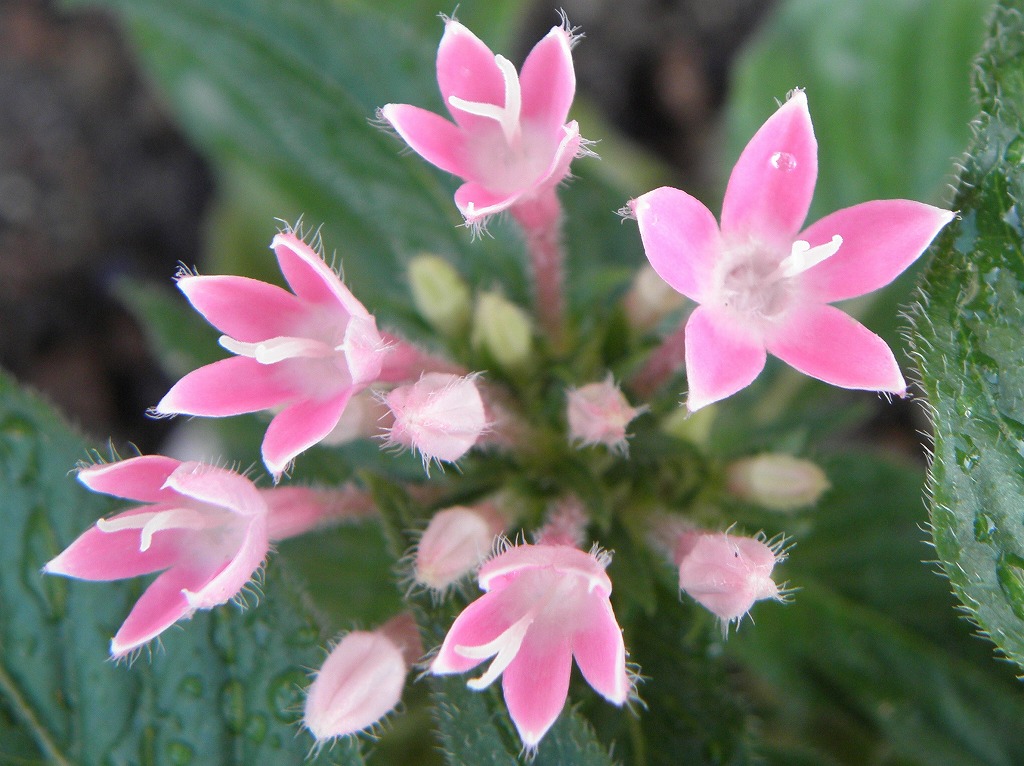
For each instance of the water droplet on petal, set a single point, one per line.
(783, 161)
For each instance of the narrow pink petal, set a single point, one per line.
(299, 427)
(246, 309)
(476, 203)
(138, 478)
(431, 136)
(228, 581)
(466, 69)
(718, 362)
(536, 683)
(310, 276)
(548, 81)
(480, 623)
(162, 604)
(231, 386)
(600, 652)
(218, 486)
(105, 556)
(880, 240)
(825, 343)
(681, 239)
(770, 188)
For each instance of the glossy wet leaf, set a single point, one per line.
(967, 336)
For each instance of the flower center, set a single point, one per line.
(757, 287)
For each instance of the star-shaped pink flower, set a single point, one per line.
(763, 285)
(510, 139)
(544, 605)
(304, 353)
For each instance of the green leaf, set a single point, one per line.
(967, 336)
(222, 688)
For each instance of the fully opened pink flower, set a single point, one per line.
(304, 353)
(544, 605)
(204, 528)
(764, 285)
(510, 139)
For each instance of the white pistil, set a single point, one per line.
(151, 523)
(504, 649)
(803, 256)
(277, 349)
(508, 115)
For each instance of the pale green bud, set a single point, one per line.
(440, 294)
(503, 331)
(694, 427)
(777, 482)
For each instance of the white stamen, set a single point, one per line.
(803, 256)
(508, 115)
(504, 648)
(151, 523)
(277, 349)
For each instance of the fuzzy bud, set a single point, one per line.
(777, 482)
(503, 331)
(440, 294)
(455, 543)
(598, 413)
(726, 573)
(441, 416)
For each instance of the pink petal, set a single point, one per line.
(105, 556)
(138, 478)
(310, 277)
(218, 486)
(536, 683)
(476, 203)
(880, 240)
(770, 188)
(246, 309)
(298, 428)
(228, 581)
(825, 343)
(718, 362)
(565, 153)
(232, 386)
(480, 623)
(162, 604)
(466, 69)
(600, 652)
(432, 137)
(681, 239)
(548, 81)
(562, 558)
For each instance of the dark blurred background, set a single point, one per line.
(97, 182)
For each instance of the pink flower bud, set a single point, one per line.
(455, 543)
(362, 679)
(727, 573)
(598, 413)
(441, 416)
(566, 525)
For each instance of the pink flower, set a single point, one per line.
(763, 285)
(204, 528)
(455, 542)
(304, 353)
(544, 605)
(510, 139)
(726, 573)
(441, 416)
(598, 413)
(362, 679)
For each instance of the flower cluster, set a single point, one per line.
(315, 359)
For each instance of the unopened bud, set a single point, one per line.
(693, 427)
(598, 413)
(727, 574)
(441, 416)
(649, 300)
(440, 294)
(362, 418)
(503, 331)
(362, 679)
(455, 543)
(777, 482)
